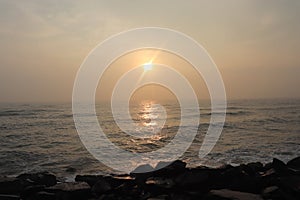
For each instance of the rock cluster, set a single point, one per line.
(253, 181)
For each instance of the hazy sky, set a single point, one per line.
(255, 43)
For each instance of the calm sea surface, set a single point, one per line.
(38, 137)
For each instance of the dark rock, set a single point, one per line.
(158, 186)
(118, 180)
(230, 194)
(45, 196)
(9, 197)
(143, 169)
(291, 185)
(193, 178)
(89, 179)
(30, 191)
(256, 167)
(279, 166)
(101, 187)
(167, 169)
(41, 178)
(237, 179)
(294, 163)
(159, 197)
(76, 190)
(271, 193)
(10, 185)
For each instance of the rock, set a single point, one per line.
(45, 196)
(169, 169)
(294, 163)
(30, 191)
(291, 185)
(73, 190)
(10, 185)
(279, 166)
(271, 192)
(193, 179)
(237, 179)
(159, 197)
(89, 179)
(142, 169)
(158, 186)
(41, 178)
(255, 167)
(230, 194)
(101, 187)
(9, 197)
(118, 180)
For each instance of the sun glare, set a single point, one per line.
(148, 66)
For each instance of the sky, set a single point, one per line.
(254, 43)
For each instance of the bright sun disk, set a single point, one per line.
(147, 66)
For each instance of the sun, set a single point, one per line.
(148, 66)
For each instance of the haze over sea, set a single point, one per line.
(38, 137)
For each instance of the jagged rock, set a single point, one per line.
(294, 163)
(10, 185)
(230, 194)
(72, 190)
(41, 178)
(279, 166)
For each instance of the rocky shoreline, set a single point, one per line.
(276, 180)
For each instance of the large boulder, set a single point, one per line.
(9, 185)
(294, 163)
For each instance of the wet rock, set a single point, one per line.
(41, 178)
(294, 163)
(10, 185)
(73, 190)
(230, 194)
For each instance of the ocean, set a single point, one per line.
(43, 137)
